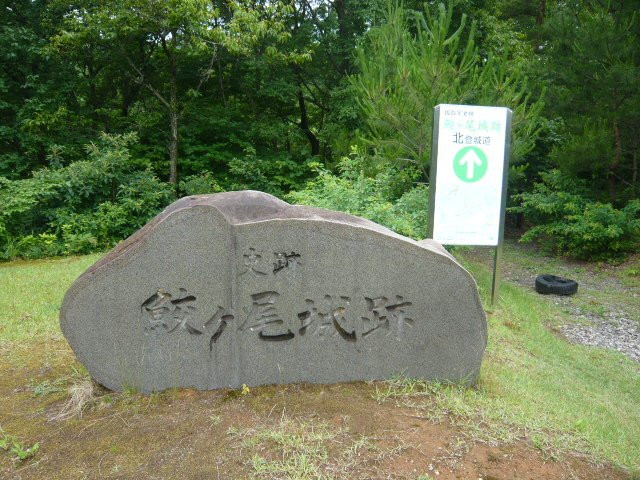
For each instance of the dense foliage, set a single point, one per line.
(87, 205)
(568, 222)
(389, 197)
(403, 75)
(327, 102)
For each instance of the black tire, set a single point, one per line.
(547, 284)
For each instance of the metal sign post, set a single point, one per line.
(468, 179)
(497, 259)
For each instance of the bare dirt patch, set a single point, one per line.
(293, 431)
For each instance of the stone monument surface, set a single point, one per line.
(242, 288)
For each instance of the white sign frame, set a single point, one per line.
(453, 196)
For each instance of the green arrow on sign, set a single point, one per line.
(470, 164)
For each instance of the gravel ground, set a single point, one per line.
(612, 328)
(614, 325)
(621, 334)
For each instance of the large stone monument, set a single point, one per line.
(242, 288)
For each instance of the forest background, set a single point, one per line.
(109, 110)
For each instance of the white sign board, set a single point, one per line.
(468, 170)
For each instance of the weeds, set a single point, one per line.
(47, 387)
(482, 418)
(632, 272)
(301, 448)
(82, 395)
(13, 445)
(237, 393)
(305, 450)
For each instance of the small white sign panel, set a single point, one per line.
(470, 168)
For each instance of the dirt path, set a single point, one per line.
(295, 431)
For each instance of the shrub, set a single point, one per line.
(373, 197)
(567, 222)
(275, 174)
(36, 246)
(199, 184)
(87, 205)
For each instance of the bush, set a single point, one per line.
(36, 246)
(87, 205)
(373, 197)
(199, 184)
(276, 174)
(567, 222)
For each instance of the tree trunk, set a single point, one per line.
(129, 94)
(220, 82)
(616, 161)
(304, 125)
(634, 177)
(173, 148)
(174, 117)
(542, 12)
(173, 107)
(344, 64)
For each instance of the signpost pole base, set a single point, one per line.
(495, 283)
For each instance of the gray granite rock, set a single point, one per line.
(242, 288)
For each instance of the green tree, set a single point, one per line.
(90, 204)
(591, 62)
(42, 114)
(416, 60)
(170, 47)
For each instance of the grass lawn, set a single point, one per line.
(534, 387)
(563, 395)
